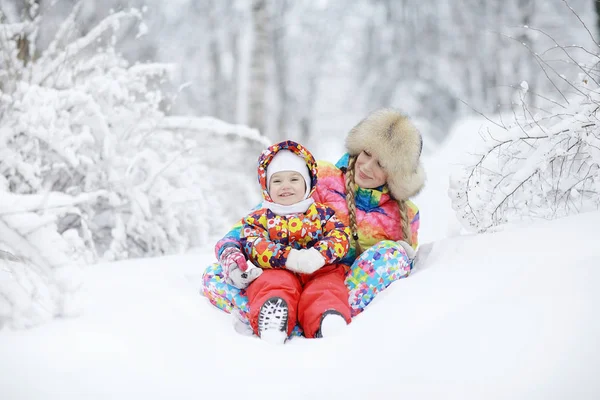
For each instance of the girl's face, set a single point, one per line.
(368, 173)
(287, 188)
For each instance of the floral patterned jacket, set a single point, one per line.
(267, 238)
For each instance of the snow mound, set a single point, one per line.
(504, 315)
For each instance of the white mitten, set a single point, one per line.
(304, 261)
(240, 279)
(410, 252)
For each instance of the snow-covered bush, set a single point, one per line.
(544, 165)
(91, 167)
(45, 286)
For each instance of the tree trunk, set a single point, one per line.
(215, 64)
(281, 65)
(527, 8)
(597, 3)
(23, 40)
(258, 65)
(307, 116)
(235, 77)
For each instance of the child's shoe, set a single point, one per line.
(273, 320)
(332, 323)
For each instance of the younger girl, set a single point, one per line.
(298, 244)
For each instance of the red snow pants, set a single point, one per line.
(307, 296)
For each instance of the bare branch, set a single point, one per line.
(566, 52)
(536, 58)
(582, 23)
(572, 46)
(482, 114)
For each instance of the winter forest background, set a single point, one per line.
(131, 128)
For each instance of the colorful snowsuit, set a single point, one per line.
(377, 213)
(307, 296)
(267, 239)
(378, 218)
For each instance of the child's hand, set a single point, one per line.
(304, 261)
(232, 257)
(241, 279)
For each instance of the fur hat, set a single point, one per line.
(389, 136)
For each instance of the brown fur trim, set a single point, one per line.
(392, 138)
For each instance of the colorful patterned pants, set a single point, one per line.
(373, 271)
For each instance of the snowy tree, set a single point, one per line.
(545, 164)
(305, 46)
(440, 61)
(329, 61)
(92, 169)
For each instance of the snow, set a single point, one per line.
(501, 315)
(437, 217)
(93, 161)
(510, 314)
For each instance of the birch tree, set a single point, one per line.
(257, 94)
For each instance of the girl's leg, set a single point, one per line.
(228, 298)
(222, 295)
(373, 271)
(274, 283)
(323, 292)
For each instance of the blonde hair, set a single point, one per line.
(351, 204)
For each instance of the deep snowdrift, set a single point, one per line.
(504, 315)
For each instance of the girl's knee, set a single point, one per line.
(212, 271)
(281, 282)
(279, 277)
(383, 245)
(387, 248)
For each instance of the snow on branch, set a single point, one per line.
(9, 31)
(15, 204)
(92, 169)
(74, 49)
(546, 163)
(64, 30)
(541, 167)
(41, 285)
(152, 69)
(212, 126)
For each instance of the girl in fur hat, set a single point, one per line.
(369, 189)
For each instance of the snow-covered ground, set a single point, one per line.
(508, 315)
(438, 220)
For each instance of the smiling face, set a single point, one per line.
(287, 188)
(368, 173)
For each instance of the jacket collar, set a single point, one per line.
(366, 199)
